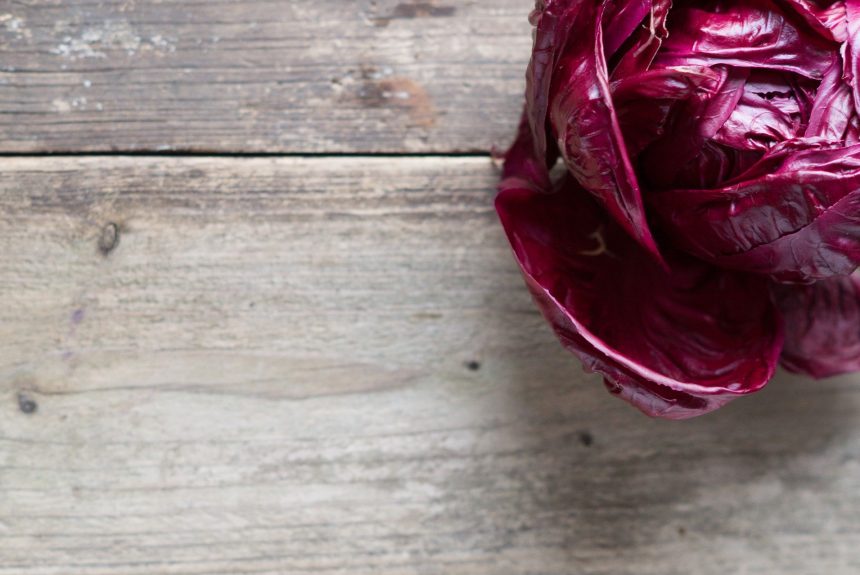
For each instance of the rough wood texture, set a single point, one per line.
(223, 366)
(261, 75)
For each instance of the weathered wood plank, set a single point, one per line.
(332, 366)
(261, 75)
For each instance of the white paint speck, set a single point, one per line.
(15, 26)
(96, 41)
(162, 44)
(61, 106)
(397, 95)
(74, 48)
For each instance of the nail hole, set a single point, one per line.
(473, 365)
(27, 404)
(586, 438)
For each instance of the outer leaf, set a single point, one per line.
(794, 215)
(621, 20)
(826, 18)
(851, 72)
(675, 343)
(744, 33)
(552, 20)
(822, 326)
(833, 107)
(644, 43)
(583, 120)
(829, 246)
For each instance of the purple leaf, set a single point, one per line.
(822, 326)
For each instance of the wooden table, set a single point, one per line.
(258, 318)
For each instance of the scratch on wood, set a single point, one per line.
(407, 11)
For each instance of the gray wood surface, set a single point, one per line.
(305, 366)
(261, 75)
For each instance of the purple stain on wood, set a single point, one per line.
(78, 316)
(408, 11)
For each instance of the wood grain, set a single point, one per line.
(261, 75)
(272, 366)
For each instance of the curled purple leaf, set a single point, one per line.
(676, 342)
